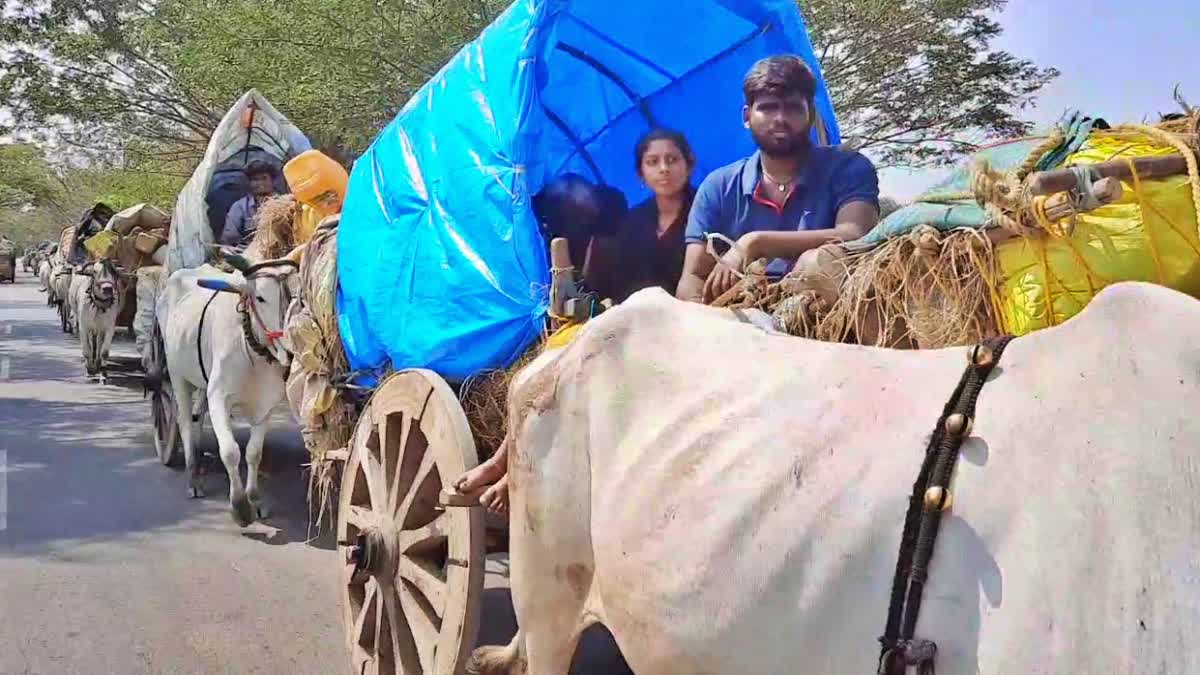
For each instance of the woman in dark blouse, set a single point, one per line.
(648, 247)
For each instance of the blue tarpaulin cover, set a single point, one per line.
(441, 264)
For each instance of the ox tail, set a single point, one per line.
(507, 660)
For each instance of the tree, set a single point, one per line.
(163, 73)
(915, 82)
(142, 83)
(38, 199)
(26, 179)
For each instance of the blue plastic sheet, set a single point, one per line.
(440, 261)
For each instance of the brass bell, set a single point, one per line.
(981, 356)
(959, 424)
(938, 496)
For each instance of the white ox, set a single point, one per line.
(728, 500)
(60, 285)
(44, 271)
(96, 297)
(226, 347)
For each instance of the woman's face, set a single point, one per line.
(664, 168)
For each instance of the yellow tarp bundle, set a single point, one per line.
(1149, 234)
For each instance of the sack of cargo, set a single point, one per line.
(148, 242)
(146, 216)
(1148, 234)
(103, 244)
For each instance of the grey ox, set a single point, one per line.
(221, 336)
(96, 301)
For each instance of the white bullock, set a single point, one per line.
(60, 283)
(96, 300)
(225, 346)
(730, 500)
(44, 271)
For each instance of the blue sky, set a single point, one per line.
(1119, 60)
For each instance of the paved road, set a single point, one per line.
(107, 567)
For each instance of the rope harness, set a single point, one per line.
(200, 335)
(101, 304)
(248, 308)
(930, 498)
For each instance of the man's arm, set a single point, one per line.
(697, 265)
(231, 235)
(853, 220)
(703, 218)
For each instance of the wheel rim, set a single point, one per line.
(166, 424)
(411, 573)
(162, 406)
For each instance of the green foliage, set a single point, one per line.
(916, 82)
(165, 72)
(37, 199)
(130, 90)
(25, 177)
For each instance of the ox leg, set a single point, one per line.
(552, 563)
(254, 453)
(105, 348)
(187, 434)
(231, 456)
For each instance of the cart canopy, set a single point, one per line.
(251, 130)
(440, 261)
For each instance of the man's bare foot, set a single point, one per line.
(495, 499)
(485, 474)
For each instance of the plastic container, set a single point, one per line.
(318, 181)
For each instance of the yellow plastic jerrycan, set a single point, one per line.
(317, 181)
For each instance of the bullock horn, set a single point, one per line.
(238, 262)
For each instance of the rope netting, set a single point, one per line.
(931, 289)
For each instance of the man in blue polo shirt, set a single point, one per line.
(788, 197)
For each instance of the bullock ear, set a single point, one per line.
(221, 285)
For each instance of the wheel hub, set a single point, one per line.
(368, 553)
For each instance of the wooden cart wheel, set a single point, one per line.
(411, 571)
(167, 442)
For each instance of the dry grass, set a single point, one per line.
(484, 399)
(923, 290)
(275, 233)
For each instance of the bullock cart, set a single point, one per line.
(8, 265)
(251, 130)
(433, 290)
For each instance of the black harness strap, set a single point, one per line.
(200, 335)
(930, 497)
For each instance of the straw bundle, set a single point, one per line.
(274, 234)
(923, 290)
(484, 399)
(326, 416)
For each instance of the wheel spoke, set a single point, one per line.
(362, 629)
(405, 466)
(425, 634)
(404, 651)
(414, 488)
(383, 642)
(425, 581)
(424, 537)
(376, 484)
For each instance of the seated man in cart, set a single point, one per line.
(240, 223)
(788, 197)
